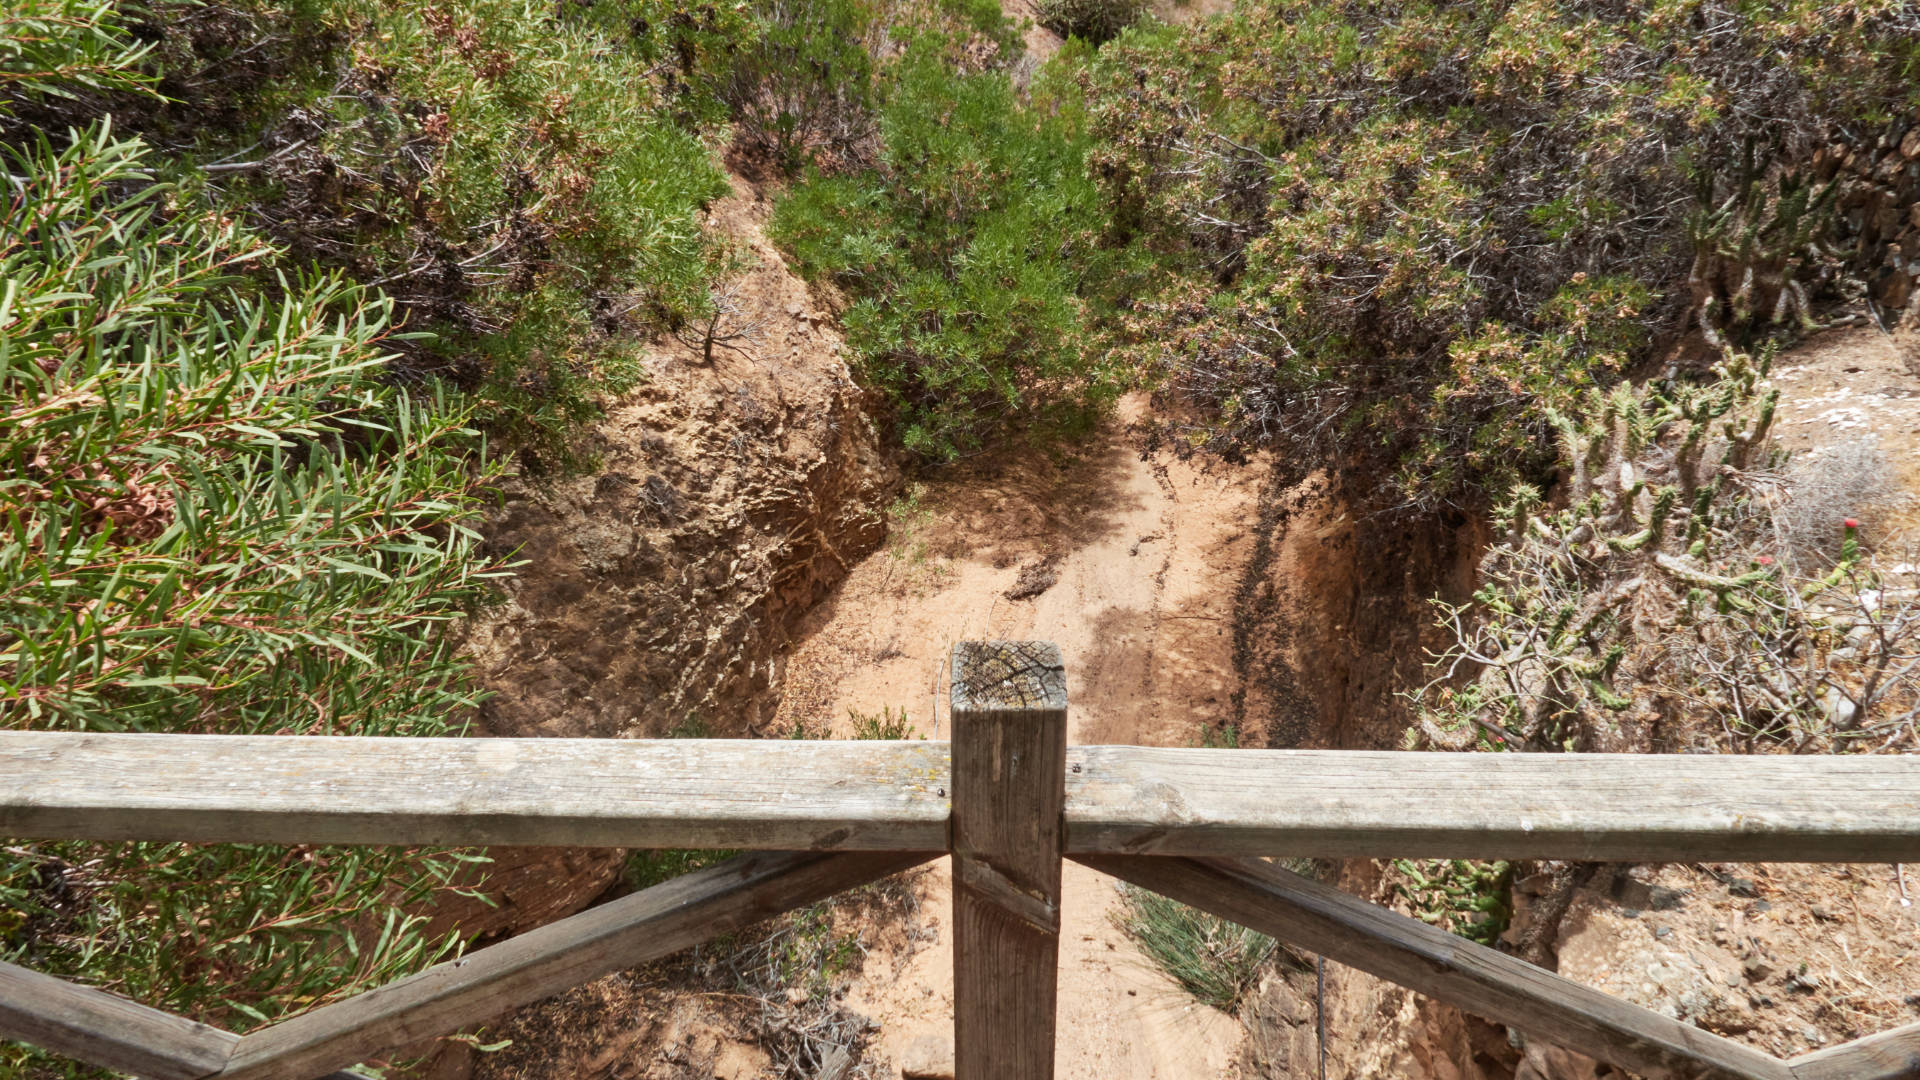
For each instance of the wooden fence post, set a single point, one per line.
(1009, 794)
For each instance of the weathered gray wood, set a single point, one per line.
(697, 793)
(1445, 967)
(1628, 807)
(890, 796)
(1890, 1055)
(105, 1030)
(1009, 764)
(645, 926)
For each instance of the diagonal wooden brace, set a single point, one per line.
(1260, 895)
(101, 1029)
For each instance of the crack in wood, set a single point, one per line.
(1008, 675)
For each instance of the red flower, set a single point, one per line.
(1851, 523)
(1765, 560)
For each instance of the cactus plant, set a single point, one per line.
(1644, 607)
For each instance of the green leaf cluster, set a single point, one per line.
(60, 48)
(216, 515)
(527, 181)
(973, 254)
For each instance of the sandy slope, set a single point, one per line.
(1146, 554)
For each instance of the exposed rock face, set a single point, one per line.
(1879, 212)
(657, 590)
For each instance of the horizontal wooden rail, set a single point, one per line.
(1444, 967)
(1167, 820)
(1890, 1055)
(894, 796)
(648, 925)
(1601, 807)
(107, 1031)
(674, 793)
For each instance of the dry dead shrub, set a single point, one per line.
(1823, 490)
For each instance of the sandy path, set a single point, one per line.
(1147, 554)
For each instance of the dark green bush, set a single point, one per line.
(1096, 21)
(971, 251)
(802, 93)
(1396, 234)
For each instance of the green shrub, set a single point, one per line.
(1216, 961)
(1096, 21)
(1397, 235)
(212, 501)
(802, 93)
(971, 251)
(217, 517)
(523, 179)
(525, 185)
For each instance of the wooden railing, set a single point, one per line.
(1009, 799)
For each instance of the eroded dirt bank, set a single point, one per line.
(1194, 603)
(656, 590)
(729, 497)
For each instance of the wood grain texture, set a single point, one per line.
(645, 926)
(1890, 1055)
(1628, 807)
(892, 796)
(1009, 765)
(1440, 965)
(105, 1030)
(705, 793)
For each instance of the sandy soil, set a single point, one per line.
(1144, 554)
(1849, 384)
